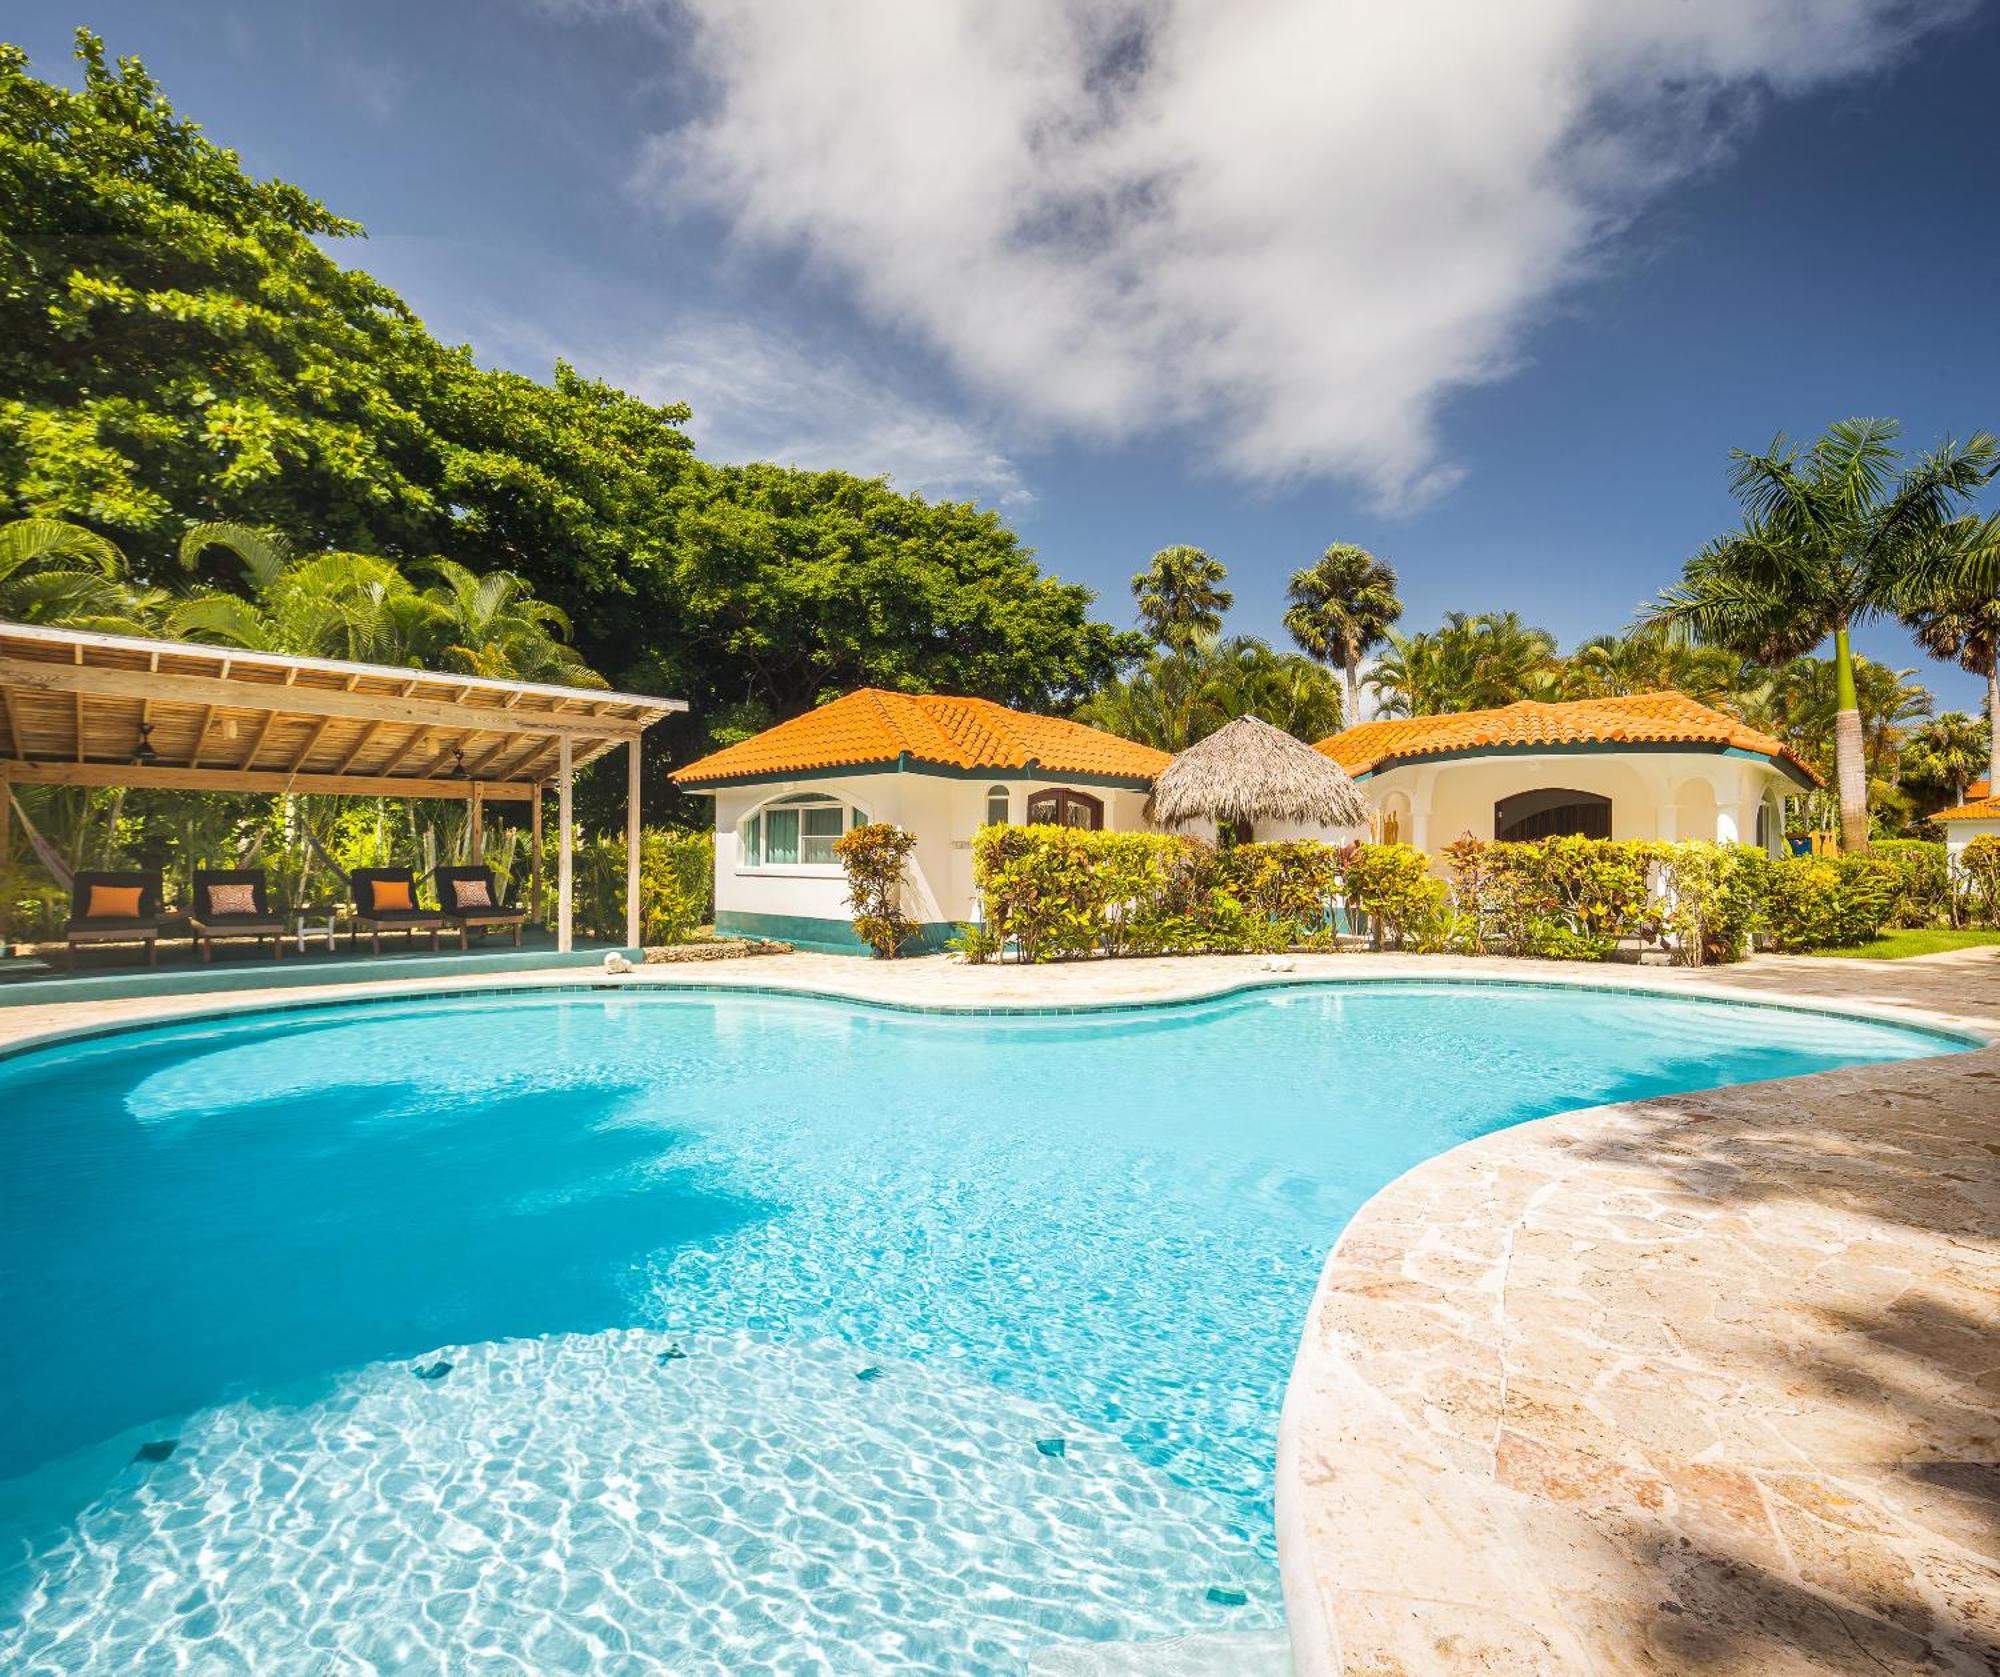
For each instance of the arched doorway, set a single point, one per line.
(1551, 812)
(1058, 806)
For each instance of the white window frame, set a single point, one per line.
(852, 816)
(1001, 794)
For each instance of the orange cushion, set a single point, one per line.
(113, 902)
(392, 893)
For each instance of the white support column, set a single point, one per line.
(632, 843)
(477, 840)
(565, 861)
(6, 855)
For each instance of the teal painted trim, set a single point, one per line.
(906, 764)
(294, 972)
(1610, 748)
(822, 937)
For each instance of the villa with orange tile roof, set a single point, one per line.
(1977, 817)
(1648, 766)
(937, 765)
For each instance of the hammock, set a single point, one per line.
(319, 850)
(59, 870)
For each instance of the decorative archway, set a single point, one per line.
(1551, 812)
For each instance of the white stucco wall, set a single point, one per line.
(1958, 834)
(1654, 795)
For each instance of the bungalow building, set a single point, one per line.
(938, 766)
(1977, 817)
(1649, 766)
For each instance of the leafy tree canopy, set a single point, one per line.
(176, 347)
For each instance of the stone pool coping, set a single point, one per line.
(1692, 1383)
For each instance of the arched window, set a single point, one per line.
(795, 832)
(1555, 812)
(999, 806)
(1058, 806)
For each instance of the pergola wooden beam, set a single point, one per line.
(173, 779)
(35, 676)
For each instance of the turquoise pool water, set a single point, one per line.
(729, 1333)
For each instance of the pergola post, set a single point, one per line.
(632, 843)
(6, 856)
(564, 859)
(478, 836)
(535, 853)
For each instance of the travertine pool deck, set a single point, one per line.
(1703, 1384)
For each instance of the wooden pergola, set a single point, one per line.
(81, 709)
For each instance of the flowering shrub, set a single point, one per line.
(1922, 883)
(873, 858)
(1056, 893)
(1979, 880)
(1824, 902)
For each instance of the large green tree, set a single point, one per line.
(1341, 608)
(179, 344)
(1956, 615)
(1831, 536)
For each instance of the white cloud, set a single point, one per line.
(1289, 227)
(757, 395)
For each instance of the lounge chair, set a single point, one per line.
(232, 902)
(385, 900)
(469, 901)
(115, 906)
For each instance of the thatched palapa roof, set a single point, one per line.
(1248, 770)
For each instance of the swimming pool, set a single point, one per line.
(734, 1332)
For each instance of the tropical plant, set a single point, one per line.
(875, 858)
(1831, 536)
(1181, 597)
(1176, 698)
(1649, 660)
(1958, 618)
(1472, 662)
(1945, 754)
(1339, 610)
(55, 572)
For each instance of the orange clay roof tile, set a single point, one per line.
(870, 726)
(1641, 719)
(1975, 808)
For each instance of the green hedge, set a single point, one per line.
(1055, 893)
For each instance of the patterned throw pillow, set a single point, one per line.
(232, 899)
(471, 893)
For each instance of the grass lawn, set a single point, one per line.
(1901, 943)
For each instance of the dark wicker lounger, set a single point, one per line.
(219, 909)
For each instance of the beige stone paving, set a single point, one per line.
(1703, 1384)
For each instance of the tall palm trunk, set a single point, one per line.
(1993, 726)
(1350, 681)
(1850, 767)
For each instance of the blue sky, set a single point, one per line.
(1491, 291)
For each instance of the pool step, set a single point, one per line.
(1246, 1653)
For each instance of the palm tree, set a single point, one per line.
(1947, 752)
(1339, 611)
(1649, 660)
(1177, 698)
(1181, 597)
(59, 573)
(1472, 662)
(1830, 538)
(492, 625)
(1959, 618)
